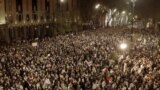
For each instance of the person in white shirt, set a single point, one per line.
(47, 83)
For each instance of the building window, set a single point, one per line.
(19, 10)
(72, 5)
(35, 17)
(47, 9)
(67, 6)
(58, 5)
(42, 18)
(19, 17)
(27, 18)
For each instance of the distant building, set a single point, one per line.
(20, 12)
(27, 13)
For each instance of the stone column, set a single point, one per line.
(52, 9)
(2, 12)
(14, 12)
(4, 34)
(41, 10)
(29, 10)
(25, 11)
(8, 6)
(69, 5)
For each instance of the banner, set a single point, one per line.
(34, 44)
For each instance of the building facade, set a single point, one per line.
(21, 16)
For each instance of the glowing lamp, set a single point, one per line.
(123, 46)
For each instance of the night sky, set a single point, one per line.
(143, 8)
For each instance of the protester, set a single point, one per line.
(89, 60)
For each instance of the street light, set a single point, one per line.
(97, 6)
(123, 12)
(133, 6)
(62, 10)
(123, 46)
(62, 1)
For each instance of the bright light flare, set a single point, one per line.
(97, 6)
(123, 12)
(62, 1)
(123, 46)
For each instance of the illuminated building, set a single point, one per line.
(25, 14)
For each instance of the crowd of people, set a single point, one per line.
(88, 60)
